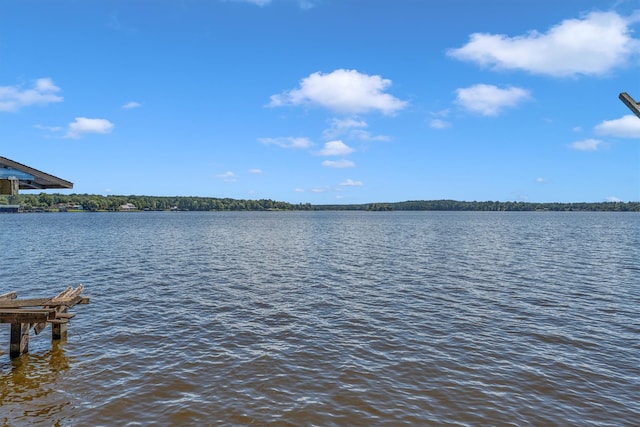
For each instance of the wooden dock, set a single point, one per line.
(37, 313)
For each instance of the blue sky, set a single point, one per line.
(325, 101)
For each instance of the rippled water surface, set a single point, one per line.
(328, 318)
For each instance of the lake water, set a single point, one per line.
(328, 319)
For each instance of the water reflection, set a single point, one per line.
(31, 393)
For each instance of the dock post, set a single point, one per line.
(59, 328)
(19, 339)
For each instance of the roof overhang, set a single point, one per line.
(30, 178)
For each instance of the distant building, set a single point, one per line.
(127, 207)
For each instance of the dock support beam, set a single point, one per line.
(19, 339)
(59, 326)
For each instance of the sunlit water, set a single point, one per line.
(328, 318)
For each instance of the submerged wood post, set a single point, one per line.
(19, 339)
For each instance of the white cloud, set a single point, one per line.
(256, 2)
(83, 126)
(489, 100)
(351, 183)
(336, 148)
(338, 164)
(439, 124)
(593, 45)
(288, 142)
(541, 180)
(625, 127)
(342, 91)
(130, 105)
(586, 145)
(613, 199)
(227, 176)
(255, 171)
(43, 92)
(303, 4)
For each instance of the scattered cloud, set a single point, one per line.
(43, 91)
(256, 2)
(303, 4)
(613, 199)
(82, 126)
(306, 4)
(338, 164)
(351, 128)
(339, 127)
(586, 145)
(592, 45)
(255, 171)
(336, 148)
(625, 127)
(49, 128)
(227, 176)
(351, 183)
(290, 142)
(342, 91)
(489, 100)
(439, 124)
(131, 105)
(541, 180)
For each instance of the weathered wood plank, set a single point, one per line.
(30, 302)
(40, 302)
(65, 315)
(9, 295)
(68, 294)
(26, 316)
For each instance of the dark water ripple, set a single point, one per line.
(329, 319)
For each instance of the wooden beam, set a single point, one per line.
(40, 302)
(30, 302)
(26, 316)
(64, 316)
(9, 295)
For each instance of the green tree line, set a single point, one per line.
(92, 202)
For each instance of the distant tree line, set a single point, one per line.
(92, 202)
